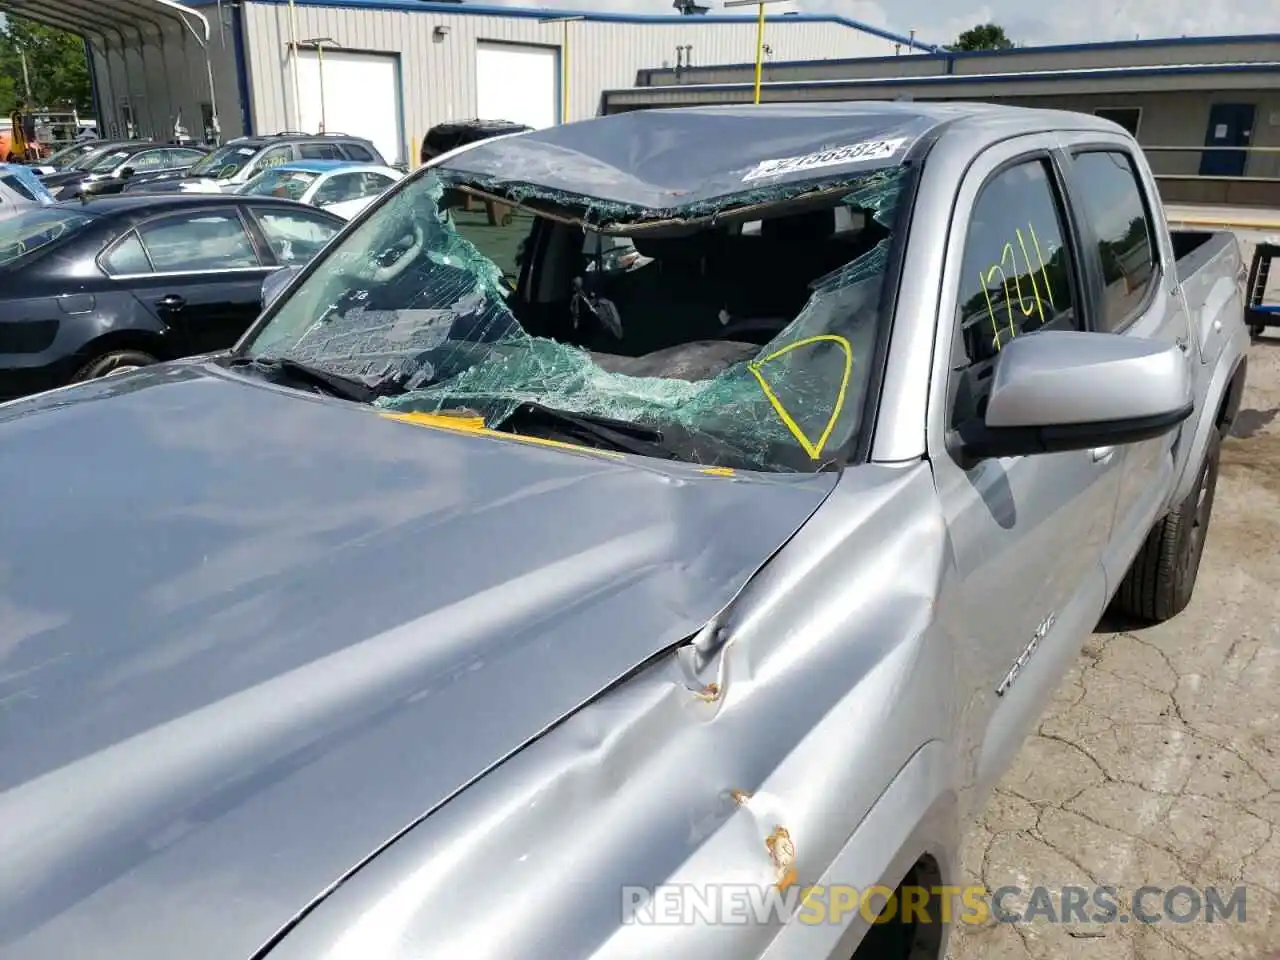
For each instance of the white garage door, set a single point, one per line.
(516, 83)
(361, 97)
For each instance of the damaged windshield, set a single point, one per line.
(739, 334)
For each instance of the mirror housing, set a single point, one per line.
(275, 282)
(126, 173)
(1056, 390)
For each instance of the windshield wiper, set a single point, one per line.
(334, 384)
(614, 434)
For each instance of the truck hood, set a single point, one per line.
(249, 634)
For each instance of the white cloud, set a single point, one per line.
(940, 21)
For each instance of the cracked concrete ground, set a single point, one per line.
(1158, 761)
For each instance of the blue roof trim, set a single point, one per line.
(1092, 73)
(938, 53)
(524, 13)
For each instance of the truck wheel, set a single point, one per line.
(1159, 584)
(117, 361)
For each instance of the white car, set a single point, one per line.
(339, 186)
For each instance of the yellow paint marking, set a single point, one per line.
(719, 471)
(466, 423)
(812, 448)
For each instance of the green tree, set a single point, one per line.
(985, 36)
(55, 67)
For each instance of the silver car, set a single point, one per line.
(482, 604)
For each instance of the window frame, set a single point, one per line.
(1089, 237)
(1083, 301)
(251, 213)
(137, 227)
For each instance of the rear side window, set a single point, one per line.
(192, 242)
(1111, 199)
(357, 152)
(320, 151)
(127, 257)
(1017, 276)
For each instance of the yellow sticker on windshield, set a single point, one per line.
(813, 448)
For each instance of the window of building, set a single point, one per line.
(1110, 193)
(1017, 276)
(1128, 117)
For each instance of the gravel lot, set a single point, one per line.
(1158, 762)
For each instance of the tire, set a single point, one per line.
(1159, 584)
(117, 361)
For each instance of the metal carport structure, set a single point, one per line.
(163, 23)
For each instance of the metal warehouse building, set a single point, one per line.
(393, 68)
(1207, 110)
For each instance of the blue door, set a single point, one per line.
(1230, 125)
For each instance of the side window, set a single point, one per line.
(1111, 196)
(191, 242)
(374, 184)
(272, 158)
(357, 152)
(1017, 276)
(147, 161)
(183, 158)
(295, 236)
(320, 151)
(337, 188)
(126, 257)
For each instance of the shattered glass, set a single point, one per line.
(407, 296)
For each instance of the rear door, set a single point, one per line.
(199, 272)
(1130, 261)
(1028, 533)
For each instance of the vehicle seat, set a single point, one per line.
(673, 300)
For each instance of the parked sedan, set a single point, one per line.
(105, 285)
(339, 186)
(65, 158)
(112, 169)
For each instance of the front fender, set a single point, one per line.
(916, 817)
(744, 760)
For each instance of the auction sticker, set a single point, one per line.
(835, 157)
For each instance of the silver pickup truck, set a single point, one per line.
(650, 536)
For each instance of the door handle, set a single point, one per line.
(1102, 454)
(171, 302)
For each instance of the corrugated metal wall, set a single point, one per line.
(161, 79)
(439, 73)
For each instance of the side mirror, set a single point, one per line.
(1063, 390)
(275, 283)
(126, 173)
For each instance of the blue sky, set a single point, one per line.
(939, 21)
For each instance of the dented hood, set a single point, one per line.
(247, 635)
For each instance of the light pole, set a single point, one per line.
(319, 43)
(759, 35)
(564, 62)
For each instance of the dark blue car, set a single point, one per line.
(94, 287)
